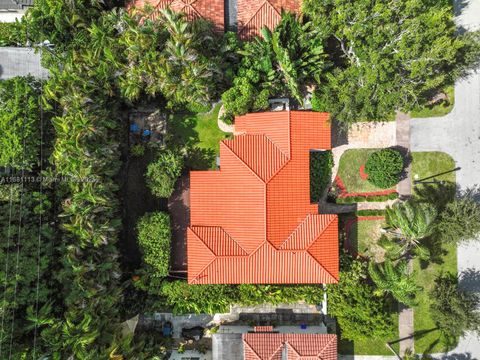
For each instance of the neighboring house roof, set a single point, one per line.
(252, 221)
(273, 346)
(213, 10)
(15, 4)
(253, 15)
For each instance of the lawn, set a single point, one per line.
(363, 237)
(426, 164)
(349, 170)
(440, 109)
(200, 133)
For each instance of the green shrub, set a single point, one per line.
(321, 164)
(384, 167)
(244, 97)
(154, 239)
(163, 173)
(137, 150)
(460, 221)
(12, 34)
(361, 313)
(20, 122)
(211, 299)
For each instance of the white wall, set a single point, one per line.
(10, 16)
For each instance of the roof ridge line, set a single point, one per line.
(201, 239)
(332, 218)
(244, 27)
(228, 234)
(210, 263)
(241, 160)
(289, 236)
(310, 254)
(333, 339)
(251, 349)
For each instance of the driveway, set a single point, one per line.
(458, 134)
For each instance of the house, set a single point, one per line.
(252, 221)
(247, 16)
(212, 10)
(266, 344)
(253, 15)
(10, 10)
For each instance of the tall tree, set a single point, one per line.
(455, 311)
(388, 55)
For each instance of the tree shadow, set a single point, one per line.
(439, 194)
(458, 356)
(469, 280)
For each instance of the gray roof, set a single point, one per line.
(15, 4)
(20, 62)
(227, 346)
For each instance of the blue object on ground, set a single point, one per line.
(167, 329)
(303, 326)
(147, 132)
(134, 128)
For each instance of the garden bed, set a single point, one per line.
(350, 172)
(424, 165)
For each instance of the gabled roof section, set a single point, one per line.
(254, 214)
(268, 346)
(253, 15)
(212, 10)
(259, 153)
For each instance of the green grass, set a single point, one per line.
(440, 109)
(367, 233)
(349, 170)
(200, 134)
(426, 164)
(370, 346)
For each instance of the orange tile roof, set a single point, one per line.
(252, 221)
(253, 15)
(212, 10)
(270, 346)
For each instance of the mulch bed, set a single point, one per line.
(343, 192)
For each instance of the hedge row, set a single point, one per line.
(370, 212)
(374, 198)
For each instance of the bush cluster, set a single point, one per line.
(384, 167)
(164, 172)
(321, 164)
(154, 238)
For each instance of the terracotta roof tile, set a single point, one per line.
(267, 346)
(255, 214)
(253, 15)
(212, 10)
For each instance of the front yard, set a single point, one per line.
(442, 108)
(349, 171)
(427, 339)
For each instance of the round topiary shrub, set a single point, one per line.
(384, 167)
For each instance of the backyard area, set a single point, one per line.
(425, 165)
(363, 235)
(199, 133)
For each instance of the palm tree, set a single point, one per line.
(394, 279)
(408, 223)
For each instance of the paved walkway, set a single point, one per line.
(458, 134)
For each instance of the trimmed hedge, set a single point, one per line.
(374, 198)
(321, 163)
(370, 213)
(384, 167)
(154, 238)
